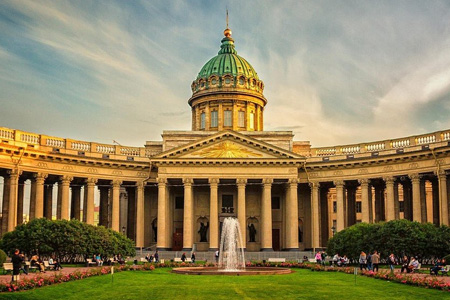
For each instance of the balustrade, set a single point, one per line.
(400, 143)
(6, 134)
(80, 146)
(376, 147)
(57, 143)
(107, 149)
(426, 139)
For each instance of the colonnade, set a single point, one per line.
(68, 200)
(164, 226)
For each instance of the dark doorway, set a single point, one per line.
(177, 240)
(276, 240)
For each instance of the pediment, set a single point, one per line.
(228, 145)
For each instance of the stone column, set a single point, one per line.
(351, 204)
(5, 204)
(32, 208)
(162, 208)
(423, 201)
(340, 205)
(89, 208)
(266, 215)
(315, 213)
(292, 216)
(241, 182)
(39, 195)
(65, 196)
(390, 201)
(417, 211)
(103, 218)
(188, 222)
(115, 213)
(13, 190)
(140, 214)
(48, 201)
(20, 194)
(76, 202)
(213, 215)
(364, 200)
(443, 197)
(396, 201)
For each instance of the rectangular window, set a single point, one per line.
(252, 121)
(275, 202)
(227, 204)
(214, 119)
(358, 206)
(228, 118)
(401, 206)
(179, 202)
(202, 120)
(241, 119)
(334, 207)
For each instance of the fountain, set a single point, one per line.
(231, 256)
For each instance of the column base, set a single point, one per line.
(163, 249)
(266, 250)
(186, 249)
(213, 249)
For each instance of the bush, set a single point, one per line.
(401, 237)
(3, 257)
(69, 241)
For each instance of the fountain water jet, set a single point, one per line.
(231, 257)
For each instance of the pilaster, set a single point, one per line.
(214, 214)
(266, 215)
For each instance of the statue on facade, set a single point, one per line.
(252, 232)
(300, 235)
(155, 230)
(203, 231)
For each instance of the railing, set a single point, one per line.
(57, 143)
(382, 145)
(107, 149)
(130, 151)
(7, 134)
(144, 152)
(81, 146)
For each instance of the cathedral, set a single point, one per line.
(174, 194)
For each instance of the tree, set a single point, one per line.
(401, 237)
(67, 240)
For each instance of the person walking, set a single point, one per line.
(183, 257)
(391, 262)
(375, 261)
(17, 261)
(369, 261)
(216, 255)
(193, 257)
(405, 264)
(362, 261)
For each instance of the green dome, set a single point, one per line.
(227, 62)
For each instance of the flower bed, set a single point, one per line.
(39, 281)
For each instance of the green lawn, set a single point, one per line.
(161, 284)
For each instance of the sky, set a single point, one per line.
(335, 72)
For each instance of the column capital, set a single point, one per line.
(363, 181)
(415, 177)
(267, 181)
(241, 182)
(213, 181)
(339, 183)
(389, 180)
(116, 183)
(293, 181)
(140, 184)
(14, 172)
(161, 180)
(91, 181)
(441, 174)
(188, 181)
(40, 177)
(65, 179)
(314, 184)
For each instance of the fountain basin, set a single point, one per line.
(244, 272)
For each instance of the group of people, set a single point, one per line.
(369, 261)
(340, 261)
(320, 257)
(152, 257)
(183, 257)
(18, 260)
